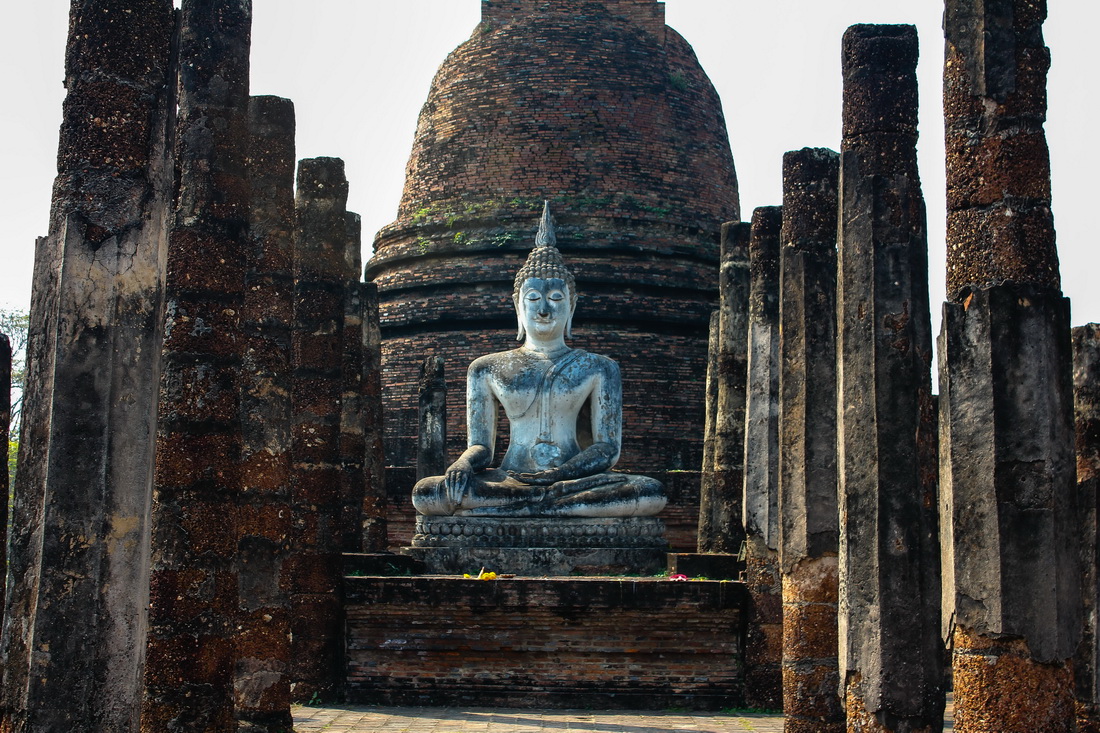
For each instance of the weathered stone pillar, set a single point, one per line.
(373, 516)
(5, 433)
(431, 448)
(764, 637)
(194, 591)
(320, 268)
(263, 545)
(710, 411)
(1086, 403)
(74, 642)
(891, 654)
(353, 443)
(1011, 581)
(720, 528)
(808, 522)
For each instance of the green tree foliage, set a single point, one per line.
(13, 324)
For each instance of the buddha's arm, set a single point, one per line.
(481, 421)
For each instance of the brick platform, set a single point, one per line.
(606, 643)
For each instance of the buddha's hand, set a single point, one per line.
(456, 480)
(574, 486)
(539, 478)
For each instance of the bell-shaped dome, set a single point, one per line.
(591, 101)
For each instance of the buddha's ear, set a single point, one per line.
(569, 323)
(521, 333)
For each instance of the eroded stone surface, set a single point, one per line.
(891, 654)
(722, 481)
(1086, 399)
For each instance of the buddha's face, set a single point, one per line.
(544, 307)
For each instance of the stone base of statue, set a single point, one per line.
(540, 546)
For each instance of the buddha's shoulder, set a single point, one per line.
(595, 362)
(496, 361)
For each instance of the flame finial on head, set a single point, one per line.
(545, 261)
(547, 236)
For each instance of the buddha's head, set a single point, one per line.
(545, 293)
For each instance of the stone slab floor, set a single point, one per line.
(369, 719)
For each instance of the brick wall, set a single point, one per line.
(568, 642)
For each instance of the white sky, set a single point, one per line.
(359, 70)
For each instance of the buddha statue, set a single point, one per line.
(564, 410)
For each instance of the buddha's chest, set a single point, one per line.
(542, 396)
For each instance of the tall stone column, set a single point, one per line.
(764, 637)
(262, 683)
(5, 433)
(1086, 404)
(1011, 580)
(808, 521)
(710, 405)
(78, 567)
(353, 438)
(194, 590)
(720, 528)
(373, 516)
(431, 456)
(320, 268)
(891, 654)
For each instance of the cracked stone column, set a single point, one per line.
(720, 528)
(353, 437)
(1009, 528)
(373, 516)
(1086, 402)
(891, 654)
(262, 686)
(5, 433)
(808, 521)
(194, 593)
(710, 404)
(78, 567)
(320, 268)
(431, 458)
(764, 638)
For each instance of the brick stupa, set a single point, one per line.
(605, 111)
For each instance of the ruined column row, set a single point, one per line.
(200, 442)
(870, 548)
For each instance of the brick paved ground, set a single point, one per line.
(363, 719)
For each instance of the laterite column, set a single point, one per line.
(5, 433)
(764, 637)
(262, 682)
(373, 516)
(193, 617)
(431, 457)
(353, 443)
(1086, 409)
(891, 654)
(320, 268)
(720, 528)
(1012, 588)
(808, 522)
(74, 640)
